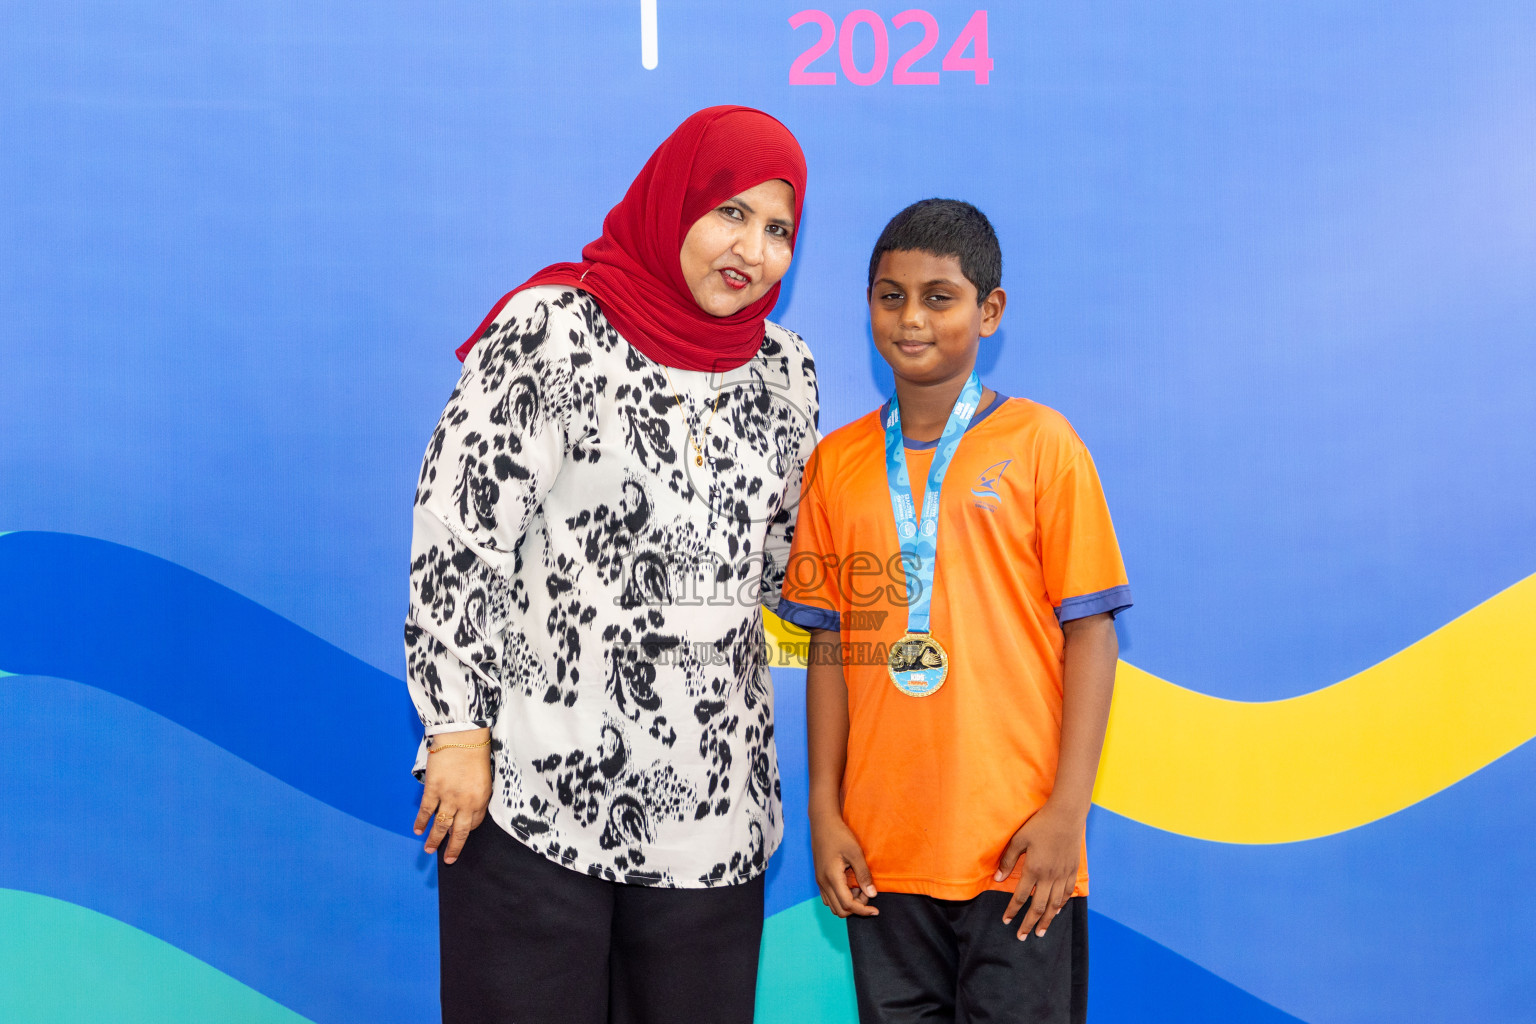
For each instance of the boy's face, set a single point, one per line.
(924, 316)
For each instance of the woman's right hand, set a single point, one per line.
(457, 789)
(835, 851)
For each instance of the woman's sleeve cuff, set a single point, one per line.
(434, 730)
(1114, 601)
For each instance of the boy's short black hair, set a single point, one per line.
(946, 227)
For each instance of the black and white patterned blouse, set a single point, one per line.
(582, 585)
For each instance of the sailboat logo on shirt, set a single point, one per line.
(986, 484)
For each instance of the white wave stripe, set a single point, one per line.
(648, 41)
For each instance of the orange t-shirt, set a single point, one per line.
(936, 786)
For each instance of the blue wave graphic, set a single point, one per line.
(260, 686)
(216, 662)
(791, 879)
(273, 885)
(806, 976)
(114, 808)
(135, 817)
(1423, 916)
(1133, 979)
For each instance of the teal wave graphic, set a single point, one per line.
(62, 964)
(135, 817)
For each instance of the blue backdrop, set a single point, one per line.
(1274, 260)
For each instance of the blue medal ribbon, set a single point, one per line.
(919, 537)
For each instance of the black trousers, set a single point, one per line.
(955, 962)
(526, 941)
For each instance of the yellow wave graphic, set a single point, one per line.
(1328, 761)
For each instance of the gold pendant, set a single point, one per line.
(698, 460)
(917, 664)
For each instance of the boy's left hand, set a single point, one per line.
(1050, 843)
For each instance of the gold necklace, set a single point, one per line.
(698, 452)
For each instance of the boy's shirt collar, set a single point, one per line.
(998, 398)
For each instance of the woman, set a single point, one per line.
(604, 507)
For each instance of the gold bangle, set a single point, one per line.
(434, 748)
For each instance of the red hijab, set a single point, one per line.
(634, 269)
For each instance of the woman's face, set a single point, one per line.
(741, 248)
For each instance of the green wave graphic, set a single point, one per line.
(62, 964)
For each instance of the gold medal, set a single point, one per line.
(917, 664)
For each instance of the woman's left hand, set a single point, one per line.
(457, 789)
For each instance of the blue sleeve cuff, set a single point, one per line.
(1114, 600)
(807, 617)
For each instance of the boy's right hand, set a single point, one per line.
(835, 850)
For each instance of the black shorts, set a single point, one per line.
(525, 940)
(942, 961)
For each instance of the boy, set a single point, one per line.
(962, 658)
